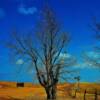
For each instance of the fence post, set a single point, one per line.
(84, 94)
(96, 94)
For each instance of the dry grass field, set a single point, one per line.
(9, 91)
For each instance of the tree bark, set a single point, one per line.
(51, 92)
(54, 88)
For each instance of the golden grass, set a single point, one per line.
(36, 92)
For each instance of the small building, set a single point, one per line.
(20, 84)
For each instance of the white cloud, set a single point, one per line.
(19, 62)
(27, 10)
(85, 65)
(93, 54)
(81, 65)
(65, 55)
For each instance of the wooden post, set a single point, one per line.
(84, 94)
(20, 84)
(96, 94)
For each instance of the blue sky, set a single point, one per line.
(74, 16)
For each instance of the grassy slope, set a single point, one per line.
(8, 90)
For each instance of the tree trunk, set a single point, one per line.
(54, 90)
(51, 93)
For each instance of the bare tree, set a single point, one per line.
(45, 53)
(93, 58)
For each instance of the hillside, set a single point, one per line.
(8, 91)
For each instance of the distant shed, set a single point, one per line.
(20, 84)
